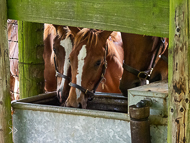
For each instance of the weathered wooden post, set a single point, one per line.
(179, 73)
(31, 63)
(5, 100)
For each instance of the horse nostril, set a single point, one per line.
(79, 105)
(137, 84)
(90, 98)
(59, 96)
(63, 104)
(124, 92)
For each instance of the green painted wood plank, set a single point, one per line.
(5, 98)
(147, 17)
(179, 73)
(31, 63)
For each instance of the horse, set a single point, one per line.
(12, 29)
(57, 47)
(63, 44)
(96, 64)
(48, 56)
(140, 56)
(160, 71)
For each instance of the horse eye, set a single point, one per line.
(98, 63)
(54, 50)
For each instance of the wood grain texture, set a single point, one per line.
(5, 100)
(147, 17)
(31, 63)
(179, 73)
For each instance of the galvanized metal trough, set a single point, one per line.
(40, 119)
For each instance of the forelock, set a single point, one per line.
(88, 35)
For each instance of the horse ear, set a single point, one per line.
(74, 30)
(105, 34)
(60, 30)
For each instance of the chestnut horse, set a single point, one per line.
(139, 53)
(96, 63)
(48, 55)
(58, 42)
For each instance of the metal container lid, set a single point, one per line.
(139, 113)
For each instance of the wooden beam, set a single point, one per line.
(31, 63)
(179, 73)
(5, 100)
(147, 17)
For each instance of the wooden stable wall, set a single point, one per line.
(5, 98)
(147, 17)
(179, 73)
(31, 63)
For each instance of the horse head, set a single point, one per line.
(139, 53)
(88, 61)
(62, 47)
(160, 71)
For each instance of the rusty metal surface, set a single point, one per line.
(139, 124)
(139, 113)
(140, 131)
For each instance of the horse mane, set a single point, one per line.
(50, 29)
(114, 36)
(68, 32)
(91, 35)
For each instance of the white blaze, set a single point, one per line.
(81, 57)
(67, 44)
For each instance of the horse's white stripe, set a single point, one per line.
(67, 44)
(81, 57)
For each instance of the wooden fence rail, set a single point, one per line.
(147, 17)
(5, 98)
